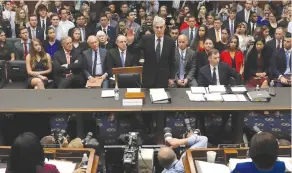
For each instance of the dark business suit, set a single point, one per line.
(114, 60)
(82, 47)
(226, 25)
(111, 32)
(225, 73)
(47, 23)
(279, 63)
(75, 69)
(249, 27)
(19, 50)
(272, 47)
(240, 16)
(189, 66)
(212, 34)
(39, 33)
(201, 60)
(156, 73)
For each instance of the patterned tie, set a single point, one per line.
(232, 28)
(288, 65)
(25, 50)
(158, 47)
(94, 64)
(182, 67)
(217, 36)
(278, 45)
(43, 24)
(192, 34)
(123, 59)
(104, 30)
(214, 76)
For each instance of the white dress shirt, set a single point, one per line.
(246, 15)
(10, 15)
(217, 73)
(27, 44)
(63, 28)
(161, 43)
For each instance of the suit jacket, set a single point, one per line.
(19, 50)
(225, 74)
(201, 60)
(190, 64)
(47, 21)
(89, 30)
(271, 45)
(226, 25)
(249, 167)
(82, 46)
(39, 33)
(249, 27)
(156, 73)
(75, 66)
(111, 32)
(240, 16)
(278, 63)
(187, 31)
(87, 56)
(212, 34)
(114, 60)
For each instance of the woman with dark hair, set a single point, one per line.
(27, 156)
(263, 151)
(257, 65)
(202, 15)
(142, 16)
(272, 24)
(266, 33)
(198, 44)
(38, 66)
(76, 41)
(223, 43)
(51, 44)
(210, 19)
(233, 56)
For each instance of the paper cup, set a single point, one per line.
(211, 156)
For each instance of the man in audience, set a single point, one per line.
(231, 23)
(256, 8)
(132, 25)
(215, 33)
(68, 66)
(85, 31)
(244, 14)
(277, 42)
(281, 63)
(64, 24)
(34, 30)
(124, 10)
(95, 62)
(108, 30)
(191, 31)
(174, 32)
(185, 64)
(168, 159)
(43, 20)
(57, 8)
(22, 47)
(55, 23)
(252, 24)
(120, 57)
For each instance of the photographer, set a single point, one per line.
(168, 159)
(147, 26)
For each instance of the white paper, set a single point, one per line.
(198, 90)
(133, 90)
(159, 96)
(157, 90)
(205, 167)
(241, 97)
(230, 97)
(217, 89)
(107, 93)
(196, 97)
(63, 166)
(288, 163)
(238, 89)
(2, 170)
(233, 162)
(214, 97)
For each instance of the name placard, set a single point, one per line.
(228, 145)
(132, 102)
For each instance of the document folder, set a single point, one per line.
(166, 99)
(259, 96)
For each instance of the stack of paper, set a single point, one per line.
(238, 89)
(214, 97)
(198, 90)
(133, 90)
(195, 97)
(234, 98)
(159, 95)
(107, 93)
(63, 166)
(205, 167)
(241, 98)
(217, 89)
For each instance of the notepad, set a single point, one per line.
(241, 98)
(156, 90)
(159, 96)
(206, 167)
(238, 89)
(214, 97)
(217, 89)
(198, 90)
(195, 97)
(133, 90)
(63, 166)
(288, 163)
(229, 97)
(107, 93)
(2, 170)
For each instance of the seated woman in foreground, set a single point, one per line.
(264, 153)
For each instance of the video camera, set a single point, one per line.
(59, 135)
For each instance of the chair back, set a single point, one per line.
(2, 73)
(17, 70)
(128, 77)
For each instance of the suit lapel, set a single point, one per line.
(63, 57)
(118, 57)
(208, 73)
(29, 32)
(128, 58)
(220, 76)
(89, 58)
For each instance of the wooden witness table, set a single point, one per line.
(68, 154)
(201, 154)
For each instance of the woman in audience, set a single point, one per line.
(38, 66)
(142, 16)
(21, 19)
(267, 11)
(202, 15)
(263, 151)
(241, 33)
(51, 44)
(266, 33)
(103, 41)
(163, 12)
(198, 44)
(76, 41)
(210, 20)
(223, 43)
(272, 24)
(233, 56)
(27, 156)
(257, 65)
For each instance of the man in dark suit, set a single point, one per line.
(34, 30)
(185, 64)
(281, 63)
(215, 33)
(43, 21)
(95, 62)
(159, 57)
(120, 57)
(231, 23)
(216, 73)
(277, 42)
(191, 31)
(23, 46)
(252, 24)
(68, 66)
(243, 15)
(108, 30)
(85, 31)
(57, 6)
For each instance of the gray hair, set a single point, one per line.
(91, 37)
(119, 36)
(64, 38)
(158, 20)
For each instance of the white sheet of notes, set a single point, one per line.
(241, 98)
(230, 97)
(133, 90)
(107, 93)
(198, 90)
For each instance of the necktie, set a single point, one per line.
(158, 47)
(278, 45)
(33, 33)
(82, 34)
(255, 10)
(232, 28)
(104, 30)
(123, 59)
(182, 67)
(192, 34)
(25, 49)
(94, 64)
(252, 29)
(217, 36)
(43, 24)
(68, 61)
(288, 65)
(214, 76)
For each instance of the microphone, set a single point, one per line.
(87, 138)
(167, 133)
(257, 129)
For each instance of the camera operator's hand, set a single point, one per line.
(80, 170)
(65, 143)
(174, 142)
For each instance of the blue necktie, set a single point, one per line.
(288, 61)
(182, 67)
(123, 59)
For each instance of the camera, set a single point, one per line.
(59, 135)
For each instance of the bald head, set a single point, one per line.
(183, 41)
(166, 157)
(92, 42)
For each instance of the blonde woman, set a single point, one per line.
(21, 19)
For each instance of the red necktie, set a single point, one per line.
(25, 49)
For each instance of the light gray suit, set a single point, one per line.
(88, 64)
(189, 66)
(187, 31)
(113, 24)
(19, 50)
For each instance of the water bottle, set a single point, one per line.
(117, 94)
(257, 88)
(84, 160)
(272, 88)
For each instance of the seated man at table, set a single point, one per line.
(263, 152)
(168, 159)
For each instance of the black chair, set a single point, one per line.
(12, 41)
(17, 73)
(2, 73)
(128, 77)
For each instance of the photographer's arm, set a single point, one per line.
(194, 141)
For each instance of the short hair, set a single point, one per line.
(100, 33)
(103, 15)
(85, 2)
(64, 38)
(167, 160)
(288, 35)
(77, 15)
(233, 10)
(60, 11)
(53, 15)
(217, 18)
(32, 15)
(118, 37)
(283, 24)
(21, 28)
(124, 3)
(158, 20)
(280, 28)
(192, 17)
(174, 28)
(130, 11)
(263, 150)
(42, 7)
(212, 52)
